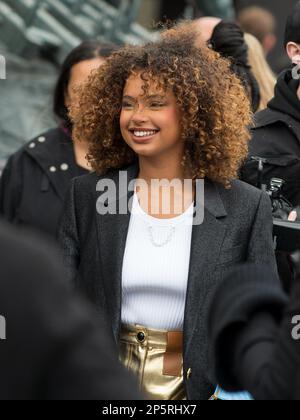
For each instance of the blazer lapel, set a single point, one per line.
(207, 240)
(112, 236)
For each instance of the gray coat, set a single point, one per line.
(237, 228)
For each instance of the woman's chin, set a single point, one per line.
(145, 150)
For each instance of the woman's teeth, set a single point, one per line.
(144, 133)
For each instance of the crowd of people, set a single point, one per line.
(150, 189)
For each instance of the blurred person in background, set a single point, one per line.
(261, 23)
(206, 26)
(254, 334)
(276, 134)
(36, 178)
(292, 36)
(172, 110)
(261, 70)
(228, 40)
(53, 346)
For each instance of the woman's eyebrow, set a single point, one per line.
(155, 97)
(128, 98)
(151, 97)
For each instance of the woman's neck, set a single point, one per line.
(169, 169)
(164, 201)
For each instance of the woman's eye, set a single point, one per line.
(157, 105)
(127, 105)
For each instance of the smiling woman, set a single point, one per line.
(167, 111)
(191, 92)
(150, 124)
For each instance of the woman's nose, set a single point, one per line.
(139, 116)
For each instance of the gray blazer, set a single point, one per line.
(237, 228)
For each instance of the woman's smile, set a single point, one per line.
(143, 135)
(150, 120)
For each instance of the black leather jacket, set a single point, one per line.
(36, 179)
(276, 138)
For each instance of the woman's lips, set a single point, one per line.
(143, 137)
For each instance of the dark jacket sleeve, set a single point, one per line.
(68, 237)
(252, 335)
(281, 159)
(11, 185)
(261, 245)
(57, 347)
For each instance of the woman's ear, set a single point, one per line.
(293, 51)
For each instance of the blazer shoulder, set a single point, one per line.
(86, 184)
(240, 188)
(248, 190)
(242, 194)
(86, 180)
(90, 180)
(243, 202)
(245, 188)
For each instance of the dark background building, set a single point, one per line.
(280, 9)
(26, 94)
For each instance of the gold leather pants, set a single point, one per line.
(155, 357)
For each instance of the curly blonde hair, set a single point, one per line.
(214, 106)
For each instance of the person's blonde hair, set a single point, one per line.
(261, 70)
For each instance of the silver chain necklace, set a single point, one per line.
(166, 242)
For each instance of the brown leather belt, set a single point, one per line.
(173, 355)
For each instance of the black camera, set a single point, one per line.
(286, 234)
(281, 207)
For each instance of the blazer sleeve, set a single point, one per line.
(68, 237)
(11, 186)
(261, 248)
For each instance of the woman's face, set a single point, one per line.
(79, 75)
(150, 124)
